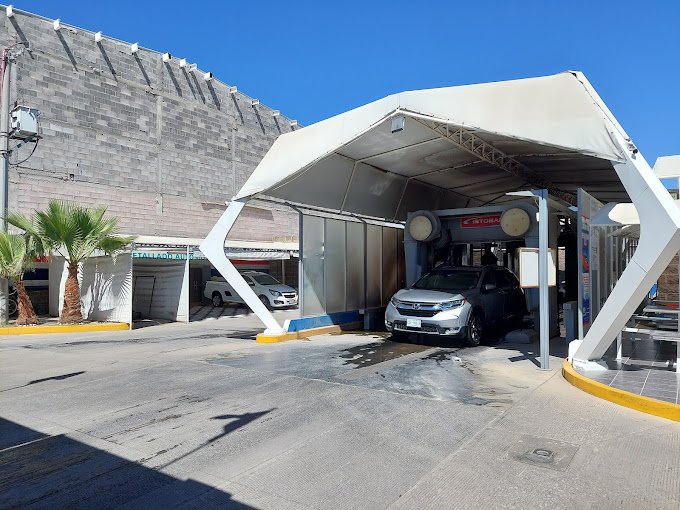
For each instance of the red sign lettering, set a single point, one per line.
(489, 220)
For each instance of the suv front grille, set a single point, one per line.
(417, 313)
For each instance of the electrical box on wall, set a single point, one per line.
(24, 122)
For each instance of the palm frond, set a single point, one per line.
(15, 259)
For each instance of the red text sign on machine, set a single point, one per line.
(488, 220)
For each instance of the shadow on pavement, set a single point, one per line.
(44, 471)
(53, 378)
(239, 420)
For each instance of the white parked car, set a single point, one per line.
(271, 292)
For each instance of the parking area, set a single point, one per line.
(200, 416)
(200, 312)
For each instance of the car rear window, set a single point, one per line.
(455, 281)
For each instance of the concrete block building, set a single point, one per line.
(144, 134)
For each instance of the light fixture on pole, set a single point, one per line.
(9, 11)
(134, 48)
(275, 113)
(233, 90)
(167, 57)
(183, 62)
(193, 67)
(98, 37)
(56, 25)
(293, 123)
(398, 123)
(254, 102)
(208, 76)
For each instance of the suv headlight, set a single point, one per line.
(448, 305)
(395, 301)
(274, 292)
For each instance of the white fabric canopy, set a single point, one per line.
(616, 215)
(556, 127)
(667, 167)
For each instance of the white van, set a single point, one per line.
(271, 292)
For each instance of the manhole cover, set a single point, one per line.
(543, 452)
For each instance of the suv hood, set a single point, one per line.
(426, 296)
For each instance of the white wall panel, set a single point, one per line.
(313, 254)
(356, 253)
(334, 266)
(105, 287)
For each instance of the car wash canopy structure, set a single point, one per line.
(466, 147)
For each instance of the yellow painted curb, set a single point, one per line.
(297, 335)
(66, 328)
(638, 402)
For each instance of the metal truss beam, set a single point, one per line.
(469, 142)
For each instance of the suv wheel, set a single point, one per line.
(217, 299)
(265, 301)
(474, 330)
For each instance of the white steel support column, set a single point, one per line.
(543, 289)
(213, 248)
(659, 242)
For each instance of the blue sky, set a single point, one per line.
(312, 60)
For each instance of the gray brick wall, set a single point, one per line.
(157, 144)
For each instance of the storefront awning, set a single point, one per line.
(155, 246)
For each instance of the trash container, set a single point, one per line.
(570, 315)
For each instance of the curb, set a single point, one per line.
(304, 333)
(647, 405)
(71, 328)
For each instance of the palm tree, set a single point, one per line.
(74, 232)
(17, 255)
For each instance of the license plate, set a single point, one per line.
(412, 323)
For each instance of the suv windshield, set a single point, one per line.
(265, 279)
(451, 281)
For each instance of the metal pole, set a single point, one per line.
(301, 266)
(4, 170)
(543, 290)
(4, 136)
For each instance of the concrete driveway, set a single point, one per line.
(200, 416)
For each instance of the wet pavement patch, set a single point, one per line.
(366, 355)
(441, 356)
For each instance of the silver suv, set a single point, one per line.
(459, 302)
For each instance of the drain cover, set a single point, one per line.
(543, 452)
(541, 455)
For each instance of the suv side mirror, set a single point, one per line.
(488, 287)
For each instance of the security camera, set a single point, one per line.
(208, 76)
(167, 57)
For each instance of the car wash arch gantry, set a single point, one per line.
(356, 176)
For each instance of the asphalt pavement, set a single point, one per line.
(200, 416)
